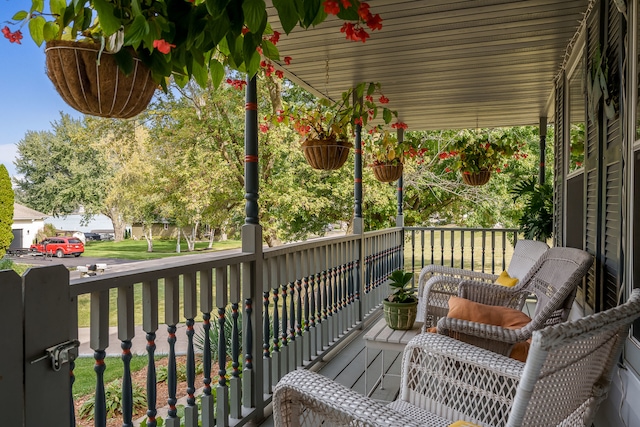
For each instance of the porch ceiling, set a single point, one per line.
(445, 64)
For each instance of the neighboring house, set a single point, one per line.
(26, 223)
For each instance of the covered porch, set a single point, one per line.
(470, 64)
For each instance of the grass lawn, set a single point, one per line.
(85, 382)
(137, 249)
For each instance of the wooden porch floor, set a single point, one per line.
(346, 365)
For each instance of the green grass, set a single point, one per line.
(137, 249)
(85, 382)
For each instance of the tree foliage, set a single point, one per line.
(6, 210)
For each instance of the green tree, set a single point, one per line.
(6, 210)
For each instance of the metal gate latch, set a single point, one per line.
(60, 354)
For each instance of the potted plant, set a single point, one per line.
(477, 154)
(327, 126)
(179, 39)
(387, 154)
(401, 306)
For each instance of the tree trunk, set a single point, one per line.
(147, 231)
(119, 225)
(178, 241)
(211, 235)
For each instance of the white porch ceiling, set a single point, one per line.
(445, 64)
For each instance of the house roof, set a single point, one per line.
(445, 64)
(23, 213)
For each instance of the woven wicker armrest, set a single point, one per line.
(450, 378)
(491, 294)
(431, 270)
(494, 338)
(304, 398)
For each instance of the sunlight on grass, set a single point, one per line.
(85, 377)
(137, 249)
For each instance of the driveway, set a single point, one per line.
(67, 261)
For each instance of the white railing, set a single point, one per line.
(293, 303)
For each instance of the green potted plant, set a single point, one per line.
(401, 306)
(477, 154)
(326, 126)
(174, 38)
(387, 154)
(536, 221)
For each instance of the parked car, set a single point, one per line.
(60, 246)
(92, 236)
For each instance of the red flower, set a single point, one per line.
(279, 74)
(346, 4)
(163, 46)
(349, 30)
(399, 125)
(498, 170)
(357, 121)
(331, 7)
(259, 50)
(287, 60)
(369, 98)
(263, 63)
(443, 156)
(363, 11)
(374, 22)
(447, 169)
(362, 34)
(13, 37)
(275, 37)
(264, 128)
(383, 99)
(245, 30)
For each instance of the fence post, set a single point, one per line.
(47, 318)
(11, 373)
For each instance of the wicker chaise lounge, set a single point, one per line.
(437, 283)
(564, 380)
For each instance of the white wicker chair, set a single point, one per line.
(554, 280)
(437, 282)
(566, 377)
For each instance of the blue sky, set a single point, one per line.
(28, 100)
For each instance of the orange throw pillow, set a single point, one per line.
(510, 318)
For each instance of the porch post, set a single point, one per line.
(543, 148)
(400, 215)
(358, 226)
(252, 285)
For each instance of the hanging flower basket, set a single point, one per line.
(478, 178)
(385, 172)
(100, 90)
(326, 154)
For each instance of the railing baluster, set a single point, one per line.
(284, 348)
(235, 387)
(150, 326)
(172, 309)
(222, 390)
(206, 306)
(190, 312)
(292, 328)
(462, 250)
(99, 342)
(126, 333)
(275, 355)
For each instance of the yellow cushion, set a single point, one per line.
(505, 280)
(463, 424)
